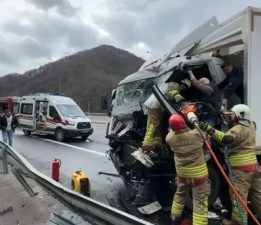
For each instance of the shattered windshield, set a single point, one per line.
(131, 96)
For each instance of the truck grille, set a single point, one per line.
(83, 125)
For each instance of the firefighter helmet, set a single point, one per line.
(176, 122)
(242, 111)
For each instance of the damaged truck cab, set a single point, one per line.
(203, 51)
(127, 128)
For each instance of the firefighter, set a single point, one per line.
(191, 168)
(241, 141)
(153, 136)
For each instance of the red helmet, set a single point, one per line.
(176, 122)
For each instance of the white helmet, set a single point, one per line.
(242, 112)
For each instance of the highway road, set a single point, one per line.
(75, 154)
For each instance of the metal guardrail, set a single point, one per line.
(91, 210)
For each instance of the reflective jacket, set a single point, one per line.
(188, 156)
(242, 150)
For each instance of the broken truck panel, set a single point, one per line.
(194, 37)
(230, 33)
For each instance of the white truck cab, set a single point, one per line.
(53, 114)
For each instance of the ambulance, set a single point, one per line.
(53, 115)
(11, 103)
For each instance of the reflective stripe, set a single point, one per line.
(157, 141)
(193, 181)
(218, 135)
(248, 168)
(200, 219)
(176, 208)
(243, 159)
(149, 136)
(192, 172)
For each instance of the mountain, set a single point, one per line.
(86, 76)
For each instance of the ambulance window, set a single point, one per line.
(53, 113)
(27, 109)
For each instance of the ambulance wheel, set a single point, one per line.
(84, 137)
(27, 132)
(59, 135)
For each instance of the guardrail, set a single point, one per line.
(91, 210)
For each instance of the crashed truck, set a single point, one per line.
(150, 190)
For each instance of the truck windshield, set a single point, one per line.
(130, 96)
(70, 111)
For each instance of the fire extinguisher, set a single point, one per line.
(56, 163)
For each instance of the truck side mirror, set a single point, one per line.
(112, 100)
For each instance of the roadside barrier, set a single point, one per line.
(94, 211)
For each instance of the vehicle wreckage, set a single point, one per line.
(150, 190)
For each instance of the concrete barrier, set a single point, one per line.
(98, 118)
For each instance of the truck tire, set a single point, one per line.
(59, 135)
(84, 137)
(214, 189)
(27, 132)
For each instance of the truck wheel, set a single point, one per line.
(84, 137)
(59, 135)
(27, 132)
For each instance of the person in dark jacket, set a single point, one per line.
(8, 123)
(232, 85)
(210, 95)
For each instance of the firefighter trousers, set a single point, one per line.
(153, 134)
(200, 195)
(248, 185)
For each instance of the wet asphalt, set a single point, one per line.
(88, 156)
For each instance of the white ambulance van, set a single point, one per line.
(53, 114)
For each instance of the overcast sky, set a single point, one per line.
(34, 32)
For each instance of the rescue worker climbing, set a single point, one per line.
(241, 139)
(191, 168)
(153, 137)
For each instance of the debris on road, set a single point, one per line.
(6, 210)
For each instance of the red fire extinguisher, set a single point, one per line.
(56, 163)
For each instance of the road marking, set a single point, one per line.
(68, 145)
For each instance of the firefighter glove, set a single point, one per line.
(205, 126)
(178, 98)
(172, 94)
